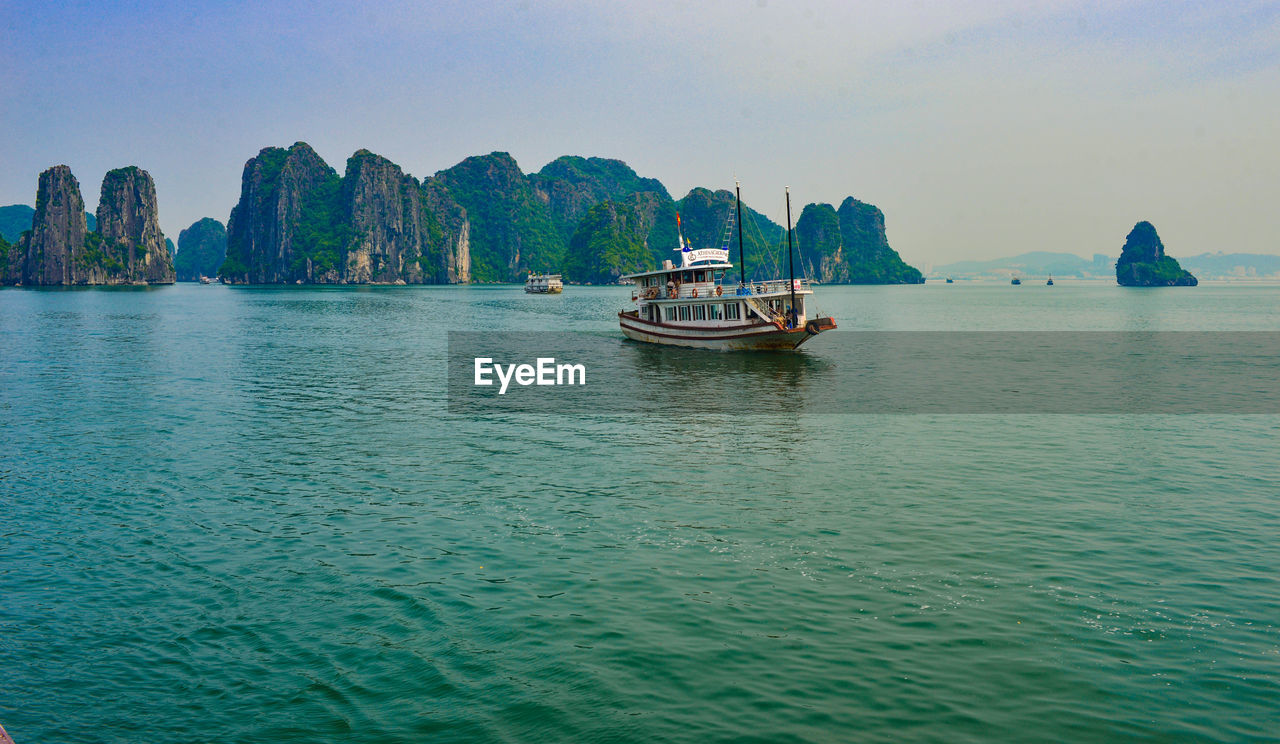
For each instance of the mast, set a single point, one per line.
(742, 260)
(791, 267)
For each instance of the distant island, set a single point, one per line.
(1143, 262)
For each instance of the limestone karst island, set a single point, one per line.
(298, 221)
(1143, 262)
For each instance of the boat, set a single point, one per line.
(1050, 282)
(1016, 281)
(693, 305)
(543, 284)
(205, 280)
(950, 280)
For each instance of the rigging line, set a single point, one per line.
(762, 240)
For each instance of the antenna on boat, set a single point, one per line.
(742, 260)
(791, 268)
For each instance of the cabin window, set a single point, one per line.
(714, 312)
(699, 312)
(684, 312)
(732, 311)
(671, 312)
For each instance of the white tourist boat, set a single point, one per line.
(692, 304)
(543, 284)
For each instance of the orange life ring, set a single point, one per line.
(695, 292)
(719, 290)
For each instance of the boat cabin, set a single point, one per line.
(698, 295)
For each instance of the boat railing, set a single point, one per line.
(691, 290)
(688, 290)
(774, 286)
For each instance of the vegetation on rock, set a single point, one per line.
(61, 246)
(849, 246)
(1143, 262)
(511, 229)
(613, 238)
(484, 220)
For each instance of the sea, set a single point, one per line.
(251, 515)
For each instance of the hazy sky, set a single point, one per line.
(980, 128)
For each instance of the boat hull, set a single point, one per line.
(745, 337)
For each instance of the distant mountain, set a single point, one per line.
(201, 250)
(1042, 263)
(16, 218)
(1233, 265)
(1036, 263)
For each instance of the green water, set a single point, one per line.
(246, 515)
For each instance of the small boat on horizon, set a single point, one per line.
(1016, 281)
(1050, 282)
(543, 284)
(692, 305)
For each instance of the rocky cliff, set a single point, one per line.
(58, 229)
(59, 249)
(849, 246)
(485, 220)
(129, 226)
(1143, 262)
(454, 239)
(201, 250)
(297, 221)
(264, 224)
(384, 207)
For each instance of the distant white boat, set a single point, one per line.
(543, 284)
(692, 305)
